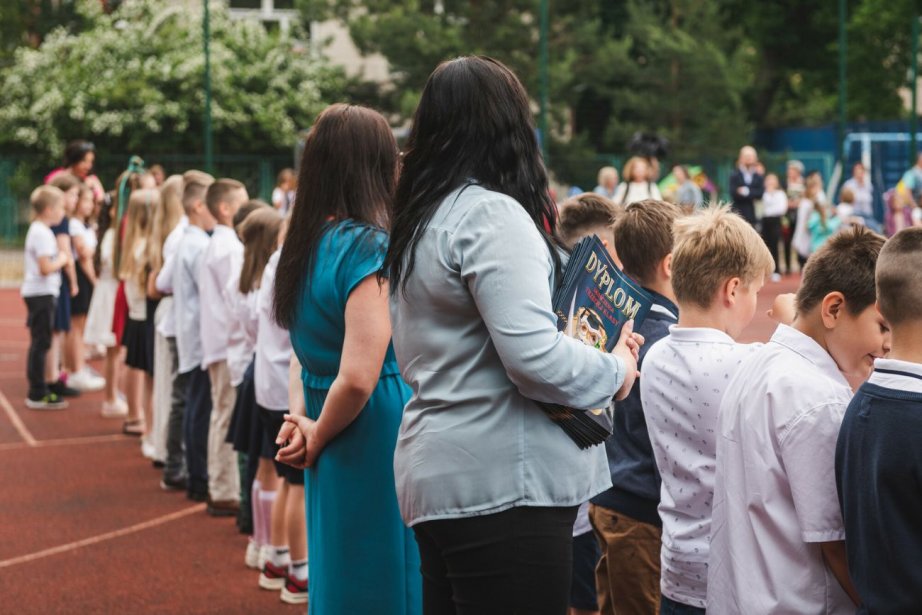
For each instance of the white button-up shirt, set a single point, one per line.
(273, 353)
(684, 377)
(221, 265)
(775, 492)
(186, 306)
(164, 281)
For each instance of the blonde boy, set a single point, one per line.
(41, 286)
(719, 265)
(878, 457)
(625, 517)
(777, 541)
(221, 263)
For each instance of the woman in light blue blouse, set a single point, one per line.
(489, 484)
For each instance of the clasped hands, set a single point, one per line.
(299, 441)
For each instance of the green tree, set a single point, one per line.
(132, 80)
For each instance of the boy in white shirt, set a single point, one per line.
(221, 261)
(719, 264)
(41, 286)
(195, 184)
(777, 537)
(187, 315)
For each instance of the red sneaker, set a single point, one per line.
(273, 577)
(294, 591)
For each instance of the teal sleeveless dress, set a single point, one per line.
(363, 559)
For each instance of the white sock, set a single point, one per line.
(298, 570)
(254, 507)
(279, 556)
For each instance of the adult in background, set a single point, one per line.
(638, 184)
(328, 295)
(746, 184)
(688, 194)
(608, 181)
(79, 158)
(863, 192)
(489, 484)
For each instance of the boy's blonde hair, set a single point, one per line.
(583, 213)
(899, 277)
(711, 246)
(195, 185)
(45, 197)
(644, 236)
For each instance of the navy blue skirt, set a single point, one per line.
(62, 309)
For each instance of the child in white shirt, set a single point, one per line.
(40, 288)
(719, 265)
(777, 537)
(221, 262)
(774, 207)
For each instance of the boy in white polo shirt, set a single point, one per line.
(41, 286)
(221, 262)
(719, 264)
(777, 537)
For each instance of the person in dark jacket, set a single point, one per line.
(746, 184)
(625, 517)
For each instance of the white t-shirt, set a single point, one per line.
(774, 204)
(775, 494)
(273, 348)
(627, 193)
(221, 262)
(684, 377)
(40, 241)
(240, 350)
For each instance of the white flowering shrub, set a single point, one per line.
(134, 80)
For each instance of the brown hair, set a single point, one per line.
(583, 213)
(644, 237)
(166, 217)
(711, 246)
(245, 210)
(260, 236)
(219, 192)
(285, 175)
(846, 195)
(845, 264)
(65, 181)
(194, 186)
(141, 205)
(627, 175)
(899, 287)
(44, 197)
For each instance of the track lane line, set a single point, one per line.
(16, 421)
(86, 542)
(11, 446)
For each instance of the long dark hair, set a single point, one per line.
(473, 122)
(348, 172)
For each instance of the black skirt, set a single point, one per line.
(80, 304)
(138, 341)
(62, 306)
(246, 432)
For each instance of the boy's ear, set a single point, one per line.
(665, 267)
(729, 291)
(832, 308)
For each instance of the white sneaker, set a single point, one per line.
(776, 277)
(148, 450)
(86, 382)
(115, 410)
(263, 555)
(251, 559)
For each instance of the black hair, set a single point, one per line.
(348, 171)
(473, 123)
(76, 151)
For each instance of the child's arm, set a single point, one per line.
(835, 557)
(70, 268)
(48, 265)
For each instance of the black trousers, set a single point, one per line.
(771, 234)
(515, 562)
(747, 211)
(40, 322)
(791, 217)
(196, 421)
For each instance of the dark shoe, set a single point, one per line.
(172, 483)
(60, 388)
(197, 496)
(133, 427)
(158, 464)
(49, 401)
(294, 591)
(223, 508)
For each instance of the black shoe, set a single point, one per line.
(158, 464)
(48, 401)
(63, 390)
(197, 496)
(172, 483)
(222, 508)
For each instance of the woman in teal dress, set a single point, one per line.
(362, 558)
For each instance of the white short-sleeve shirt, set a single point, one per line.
(684, 378)
(273, 347)
(40, 241)
(775, 494)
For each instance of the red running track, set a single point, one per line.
(85, 527)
